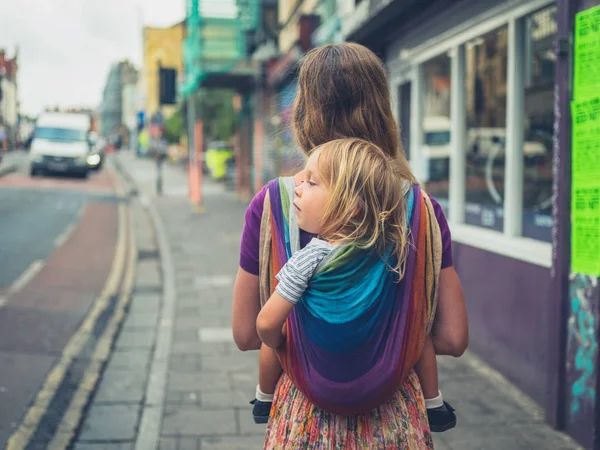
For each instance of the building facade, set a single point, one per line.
(116, 91)
(111, 112)
(9, 98)
(482, 92)
(162, 47)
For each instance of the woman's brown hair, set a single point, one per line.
(343, 93)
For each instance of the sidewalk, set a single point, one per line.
(11, 161)
(176, 381)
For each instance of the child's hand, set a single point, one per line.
(295, 274)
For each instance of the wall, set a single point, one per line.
(289, 33)
(352, 16)
(111, 113)
(508, 315)
(162, 45)
(9, 104)
(582, 359)
(582, 378)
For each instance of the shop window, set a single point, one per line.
(485, 87)
(436, 147)
(540, 61)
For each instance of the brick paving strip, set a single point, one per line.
(176, 380)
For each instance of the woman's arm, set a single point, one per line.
(246, 305)
(271, 319)
(450, 333)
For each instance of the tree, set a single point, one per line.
(174, 127)
(216, 109)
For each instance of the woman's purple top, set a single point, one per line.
(249, 248)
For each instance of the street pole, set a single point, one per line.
(158, 140)
(195, 165)
(160, 157)
(191, 118)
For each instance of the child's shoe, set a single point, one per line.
(441, 418)
(261, 411)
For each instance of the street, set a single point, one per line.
(57, 243)
(144, 148)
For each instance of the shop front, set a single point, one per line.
(482, 92)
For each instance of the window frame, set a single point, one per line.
(510, 242)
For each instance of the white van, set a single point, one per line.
(60, 144)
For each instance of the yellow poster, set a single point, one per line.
(585, 202)
(587, 53)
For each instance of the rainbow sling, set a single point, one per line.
(357, 332)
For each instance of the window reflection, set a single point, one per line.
(485, 85)
(539, 121)
(436, 127)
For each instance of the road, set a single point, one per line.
(57, 243)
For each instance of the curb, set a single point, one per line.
(9, 168)
(152, 410)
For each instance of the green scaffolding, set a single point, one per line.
(214, 45)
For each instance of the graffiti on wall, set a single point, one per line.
(583, 343)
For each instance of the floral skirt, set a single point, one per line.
(401, 423)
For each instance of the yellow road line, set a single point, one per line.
(22, 435)
(72, 417)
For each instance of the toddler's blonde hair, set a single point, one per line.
(366, 203)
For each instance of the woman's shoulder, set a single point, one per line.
(437, 208)
(259, 198)
(439, 211)
(249, 248)
(258, 201)
(257, 205)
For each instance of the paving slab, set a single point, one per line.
(187, 420)
(110, 423)
(122, 386)
(132, 339)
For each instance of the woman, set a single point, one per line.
(342, 93)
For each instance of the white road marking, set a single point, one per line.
(27, 276)
(60, 240)
(33, 269)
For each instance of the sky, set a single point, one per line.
(66, 47)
